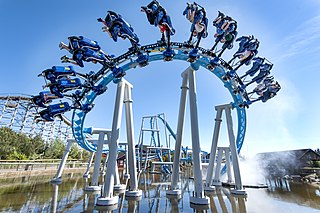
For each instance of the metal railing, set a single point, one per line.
(44, 164)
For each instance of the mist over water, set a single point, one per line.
(251, 171)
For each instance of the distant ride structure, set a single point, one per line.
(19, 113)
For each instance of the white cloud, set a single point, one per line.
(303, 40)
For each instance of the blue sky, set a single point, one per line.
(288, 32)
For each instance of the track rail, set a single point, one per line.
(128, 61)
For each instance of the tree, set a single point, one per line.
(7, 142)
(18, 146)
(55, 149)
(75, 152)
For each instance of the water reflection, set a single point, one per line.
(295, 192)
(37, 194)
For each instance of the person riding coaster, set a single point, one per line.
(226, 33)
(43, 98)
(58, 109)
(264, 72)
(249, 51)
(64, 85)
(57, 72)
(83, 49)
(196, 14)
(158, 17)
(243, 41)
(116, 27)
(266, 90)
(257, 62)
(54, 110)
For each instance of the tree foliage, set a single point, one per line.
(18, 146)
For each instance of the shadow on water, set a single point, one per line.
(37, 194)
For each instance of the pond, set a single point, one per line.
(37, 194)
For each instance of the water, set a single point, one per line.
(37, 194)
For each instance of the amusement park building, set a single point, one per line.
(288, 162)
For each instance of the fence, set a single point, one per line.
(27, 165)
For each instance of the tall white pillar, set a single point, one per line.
(131, 157)
(107, 198)
(228, 164)
(179, 135)
(216, 180)
(54, 200)
(94, 186)
(234, 154)
(198, 197)
(213, 151)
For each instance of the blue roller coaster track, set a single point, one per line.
(128, 61)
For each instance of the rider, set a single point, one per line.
(226, 32)
(158, 17)
(249, 51)
(196, 14)
(83, 49)
(116, 27)
(257, 62)
(268, 89)
(43, 98)
(264, 72)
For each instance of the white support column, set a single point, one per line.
(94, 186)
(131, 157)
(228, 164)
(235, 159)
(87, 172)
(118, 187)
(198, 197)
(176, 159)
(213, 151)
(107, 198)
(54, 200)
(57, 178)
(216, 180)
(232, 149)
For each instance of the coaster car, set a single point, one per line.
(63, 85)
(43, 98)
(57, 72)
(196, 14)
(83, 49)
(246, 53)
(257, 62)
(79, 42)
(87, 55)
(264, 72)
(267, 89)
(158, 17)
(226, 32)
(116, 27)
(54, 110)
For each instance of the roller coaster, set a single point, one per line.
(19, 113)
(77, 91)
